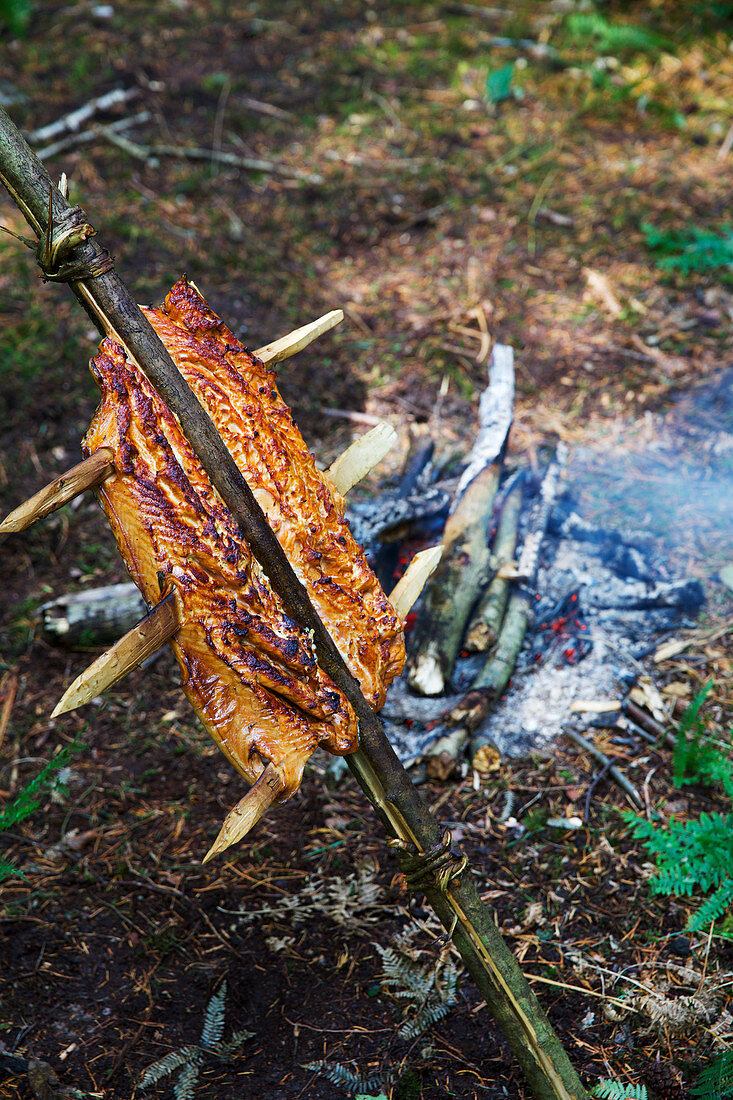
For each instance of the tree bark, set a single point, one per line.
(382, 777)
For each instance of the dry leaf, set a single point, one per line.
(599, 288)
(671, 649)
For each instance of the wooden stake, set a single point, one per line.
(75, 481)
(411, 583)
(248, 811)
(363, 454)
(158, 626)
(300, 338)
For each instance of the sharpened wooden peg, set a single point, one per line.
(363, 454)
(156, 628)
(248, 811)
(300, 338)
(416, 576)
(69, 485)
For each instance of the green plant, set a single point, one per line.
(29, 798)
(716, 1080)
(345, 1078)
(189, 1059)
(611, 1089)
(499, 84)
(691, 249)
(697, 758)
(611, 37)
(694, 855)
(15, 15)
(429, 991)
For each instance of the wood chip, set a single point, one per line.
(595, 706)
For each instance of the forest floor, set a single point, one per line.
(438, 169)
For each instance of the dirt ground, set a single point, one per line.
(436, 195)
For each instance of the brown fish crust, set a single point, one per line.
(249, 671)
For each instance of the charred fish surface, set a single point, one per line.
(249, 671)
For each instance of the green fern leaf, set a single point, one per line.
(611, 1089)
(711, 909)
(592, 27)
(168, 1065)
(187, 1078)
(213, 1028)
(345, 1078)
(716, 1080)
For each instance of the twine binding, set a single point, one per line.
(62, 236)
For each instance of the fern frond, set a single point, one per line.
(230, 1047)
(425, 1018)
(187, 1078)
(711, 909)
(611, 36)
(339, 1074)
(213, 1028)
(694, 250)
(26, 801)
(612, 1089)
(165, 1066)
(716, 1080)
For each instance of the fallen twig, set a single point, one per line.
(613, 771)
(193, 152)
(81, 137)
(75, 118)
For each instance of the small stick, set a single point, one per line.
(81, 137)
(613, 771)
(300, 338)
(248, 811)
(75, 481)
(413, 580)
(9, 686)
(158, 626)
(74, 119)
(363, 454)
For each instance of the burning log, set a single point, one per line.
(486, 623)
(494, 676)
(464, 568)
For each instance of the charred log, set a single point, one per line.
(463, 572)
(484, 629)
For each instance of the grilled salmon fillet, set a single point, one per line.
(249, 671)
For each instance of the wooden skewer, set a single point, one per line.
(157, 627)
(75, 481)
(363, 454)
(270, 784)
(248, 811)
(300, 338)
(411, 583)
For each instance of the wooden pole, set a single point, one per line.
(419, 839)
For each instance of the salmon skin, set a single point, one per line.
(249, 671)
